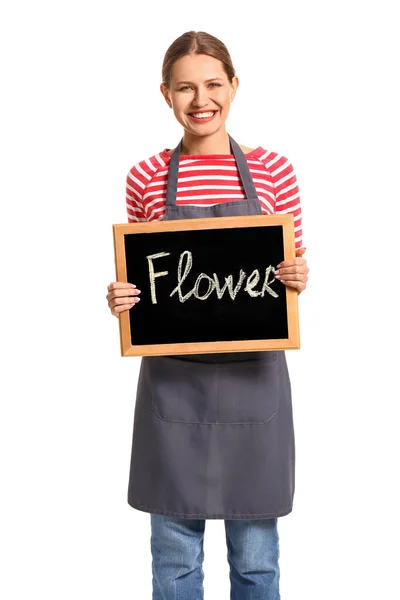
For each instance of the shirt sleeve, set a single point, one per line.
(287, 194)
(134, 197)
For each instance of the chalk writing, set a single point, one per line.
(153, 275)
(185, 265)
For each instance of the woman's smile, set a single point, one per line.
(202, 116)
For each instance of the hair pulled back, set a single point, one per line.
(196, 42)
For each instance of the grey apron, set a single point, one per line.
(213, 433)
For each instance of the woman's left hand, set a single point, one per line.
(294, 272)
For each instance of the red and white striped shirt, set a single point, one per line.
(208, 179)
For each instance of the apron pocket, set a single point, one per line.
(247, 391)
(183, 391)
(240, 392)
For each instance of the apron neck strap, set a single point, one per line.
(241, 162)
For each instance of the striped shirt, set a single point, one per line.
(209, 179)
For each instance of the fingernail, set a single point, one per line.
(276, 272)
(137, 299)
(277, 276)
(133, 285)
(138, 291)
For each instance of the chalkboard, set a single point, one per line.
(207, 285)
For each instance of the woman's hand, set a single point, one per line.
(294, 272)
(121, 296)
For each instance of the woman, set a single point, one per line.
(239, 468)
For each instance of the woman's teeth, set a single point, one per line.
(203, 115)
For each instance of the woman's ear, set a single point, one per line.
(165, 93)
(234, 87)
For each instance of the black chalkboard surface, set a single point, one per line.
(207, 285)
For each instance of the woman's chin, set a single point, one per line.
(203, 129)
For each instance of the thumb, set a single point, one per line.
(300, 251)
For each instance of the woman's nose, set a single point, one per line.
(200, 97)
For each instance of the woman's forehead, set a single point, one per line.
(197, 67)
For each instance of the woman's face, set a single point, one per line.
(200, 93)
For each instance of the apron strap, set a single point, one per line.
(242, 166)
(173, 171)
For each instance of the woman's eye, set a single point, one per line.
(189, 87)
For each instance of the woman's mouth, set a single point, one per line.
(203, 116)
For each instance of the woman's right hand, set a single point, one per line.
(121, 296)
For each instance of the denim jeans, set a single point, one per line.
(177, 551)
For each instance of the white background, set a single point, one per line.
(80, 106)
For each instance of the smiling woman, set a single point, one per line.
(200, 87)
(213, 434)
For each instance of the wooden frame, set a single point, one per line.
(293, 340)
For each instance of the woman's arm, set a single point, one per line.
(293, 272)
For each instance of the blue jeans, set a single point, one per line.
(177, 551)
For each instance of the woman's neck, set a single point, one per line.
(217, 143)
